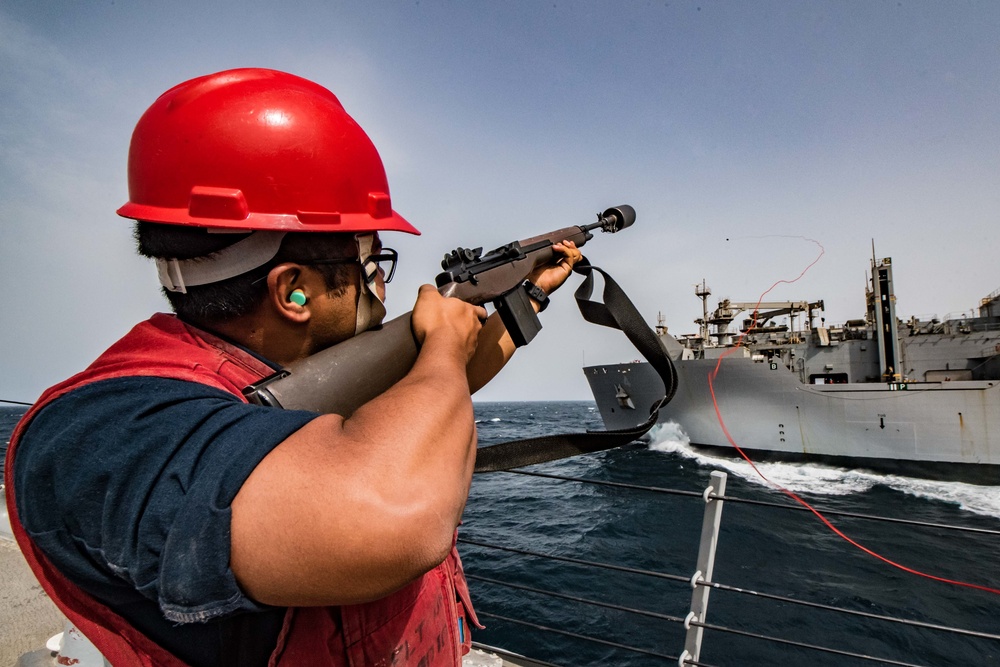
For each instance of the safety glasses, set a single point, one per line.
(385, 260)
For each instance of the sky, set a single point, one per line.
(747, 135)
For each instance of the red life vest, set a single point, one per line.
(424, 623)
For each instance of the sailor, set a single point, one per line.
(174, 523)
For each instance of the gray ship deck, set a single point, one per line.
(27, 615)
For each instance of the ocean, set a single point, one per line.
(769, 550)
(781, 552)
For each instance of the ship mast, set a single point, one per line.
(703, 292)
(883, 307)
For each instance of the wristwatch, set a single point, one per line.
(537, 293)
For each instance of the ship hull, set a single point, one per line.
(765, 408)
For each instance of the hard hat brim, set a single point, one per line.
(303, 221)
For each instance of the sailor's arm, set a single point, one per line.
(495, 345)
(349, 510)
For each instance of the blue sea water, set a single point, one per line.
(788, 553)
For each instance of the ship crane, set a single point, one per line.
(765, 311)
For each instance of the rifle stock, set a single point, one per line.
(341, 378)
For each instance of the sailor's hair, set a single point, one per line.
(230, 299)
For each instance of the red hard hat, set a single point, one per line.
(256, 149)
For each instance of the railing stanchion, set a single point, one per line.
(703, 571)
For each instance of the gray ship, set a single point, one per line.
(920, 397)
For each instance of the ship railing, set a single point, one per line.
(960, 315)
(701, 582)
(986, 326)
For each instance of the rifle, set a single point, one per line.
(345, 376)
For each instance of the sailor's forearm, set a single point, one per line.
(494, 350)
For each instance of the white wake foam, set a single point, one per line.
(825, 480)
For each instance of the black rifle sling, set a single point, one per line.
(618, 312)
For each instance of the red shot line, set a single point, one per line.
(718, 412)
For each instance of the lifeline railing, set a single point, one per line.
(702, 583)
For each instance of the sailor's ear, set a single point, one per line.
(288, 293)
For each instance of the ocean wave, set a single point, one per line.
(825, 480)
(973, 498)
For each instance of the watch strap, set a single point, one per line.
(538, 294)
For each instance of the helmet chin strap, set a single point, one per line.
(371, 310)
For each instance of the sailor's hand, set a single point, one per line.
(551, 276)
(448, 321)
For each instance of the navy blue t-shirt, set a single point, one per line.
(126, 485)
